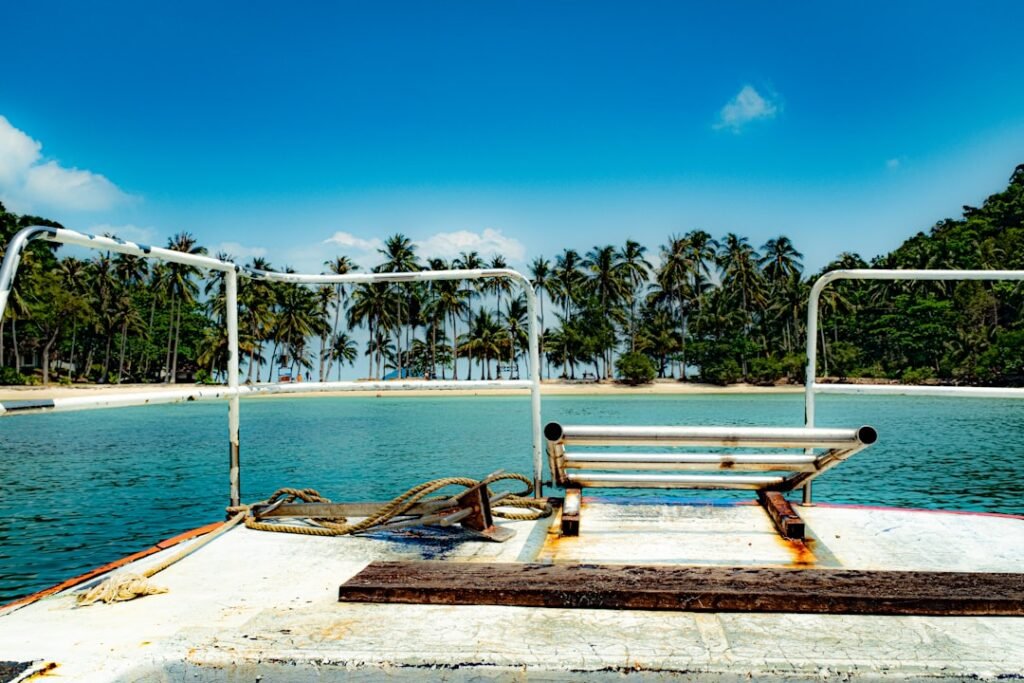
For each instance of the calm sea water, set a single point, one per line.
(82, 489)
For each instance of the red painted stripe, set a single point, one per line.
(92, 573)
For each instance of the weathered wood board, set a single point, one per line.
(703, 589)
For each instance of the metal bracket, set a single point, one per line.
(571, 511)
(475, 514)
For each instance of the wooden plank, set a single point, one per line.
(786, 520)
(699, 589)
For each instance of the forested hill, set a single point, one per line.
(721, 308)
(966, 332)
(991, 236)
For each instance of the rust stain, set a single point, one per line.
(44, 672)
(800, 551)
(338, 630)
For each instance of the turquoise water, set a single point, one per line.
(82, 489)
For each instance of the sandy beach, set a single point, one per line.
(549, 388)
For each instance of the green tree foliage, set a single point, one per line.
(635, 368)
(719, 310)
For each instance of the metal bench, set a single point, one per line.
(768, 460)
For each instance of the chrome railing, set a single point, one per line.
(232, 391)
(812, 387)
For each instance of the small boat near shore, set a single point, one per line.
(469, 579)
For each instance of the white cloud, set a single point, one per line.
(350, 241)
(18, 152)
(237, 251)
(748, 105)
(490, 242)
(893, 164)
(28, 183)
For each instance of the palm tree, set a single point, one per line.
(702, 254)
(370, 304)
(183, 290)
(499, 286)
(299, 317)
(74, 276)
(339, 265)
(257, 300)
(469, 261)
(635, 271)
(400, 257)
(124, 309)
(515, 318)
(567, 282)
(451, 303)
(540, 273)
(487, 338)
(607, 284)
(674, 285)
(780, 259)
(343, 350)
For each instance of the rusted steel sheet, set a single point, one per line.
(782, 514)
(698, 589)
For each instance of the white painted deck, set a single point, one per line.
(256, 606)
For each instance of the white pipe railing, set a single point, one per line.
(233, 391)
(811, 387)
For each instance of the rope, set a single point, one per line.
(125, 586)
(339, 526)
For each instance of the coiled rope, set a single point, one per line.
(128, 586)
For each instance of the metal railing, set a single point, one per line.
(587, 469)
(232, 391)
(811, 387)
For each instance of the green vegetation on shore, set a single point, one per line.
(718, 307)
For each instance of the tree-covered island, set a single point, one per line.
(722, 308)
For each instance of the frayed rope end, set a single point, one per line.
(119, 588)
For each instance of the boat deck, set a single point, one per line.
(259, 606)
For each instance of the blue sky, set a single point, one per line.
(271, 129)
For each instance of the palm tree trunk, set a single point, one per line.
(252, 360)
(14, 345)
(46, 356)
(174, 358)
(540, 338)
(682, 369)
(120, 363)
(88, 360)
(334, 329)
(371, 350)
(824, 351)
(170, 339)
(71, 358)
(105, 377)
(149, 335)
(455, 349)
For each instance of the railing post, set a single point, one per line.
(812, 366)
(231, 313)
(538, 448)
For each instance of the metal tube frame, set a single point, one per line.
(811, 387)
(232, 392)
(572, 469)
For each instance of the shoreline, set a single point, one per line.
(548, 388)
